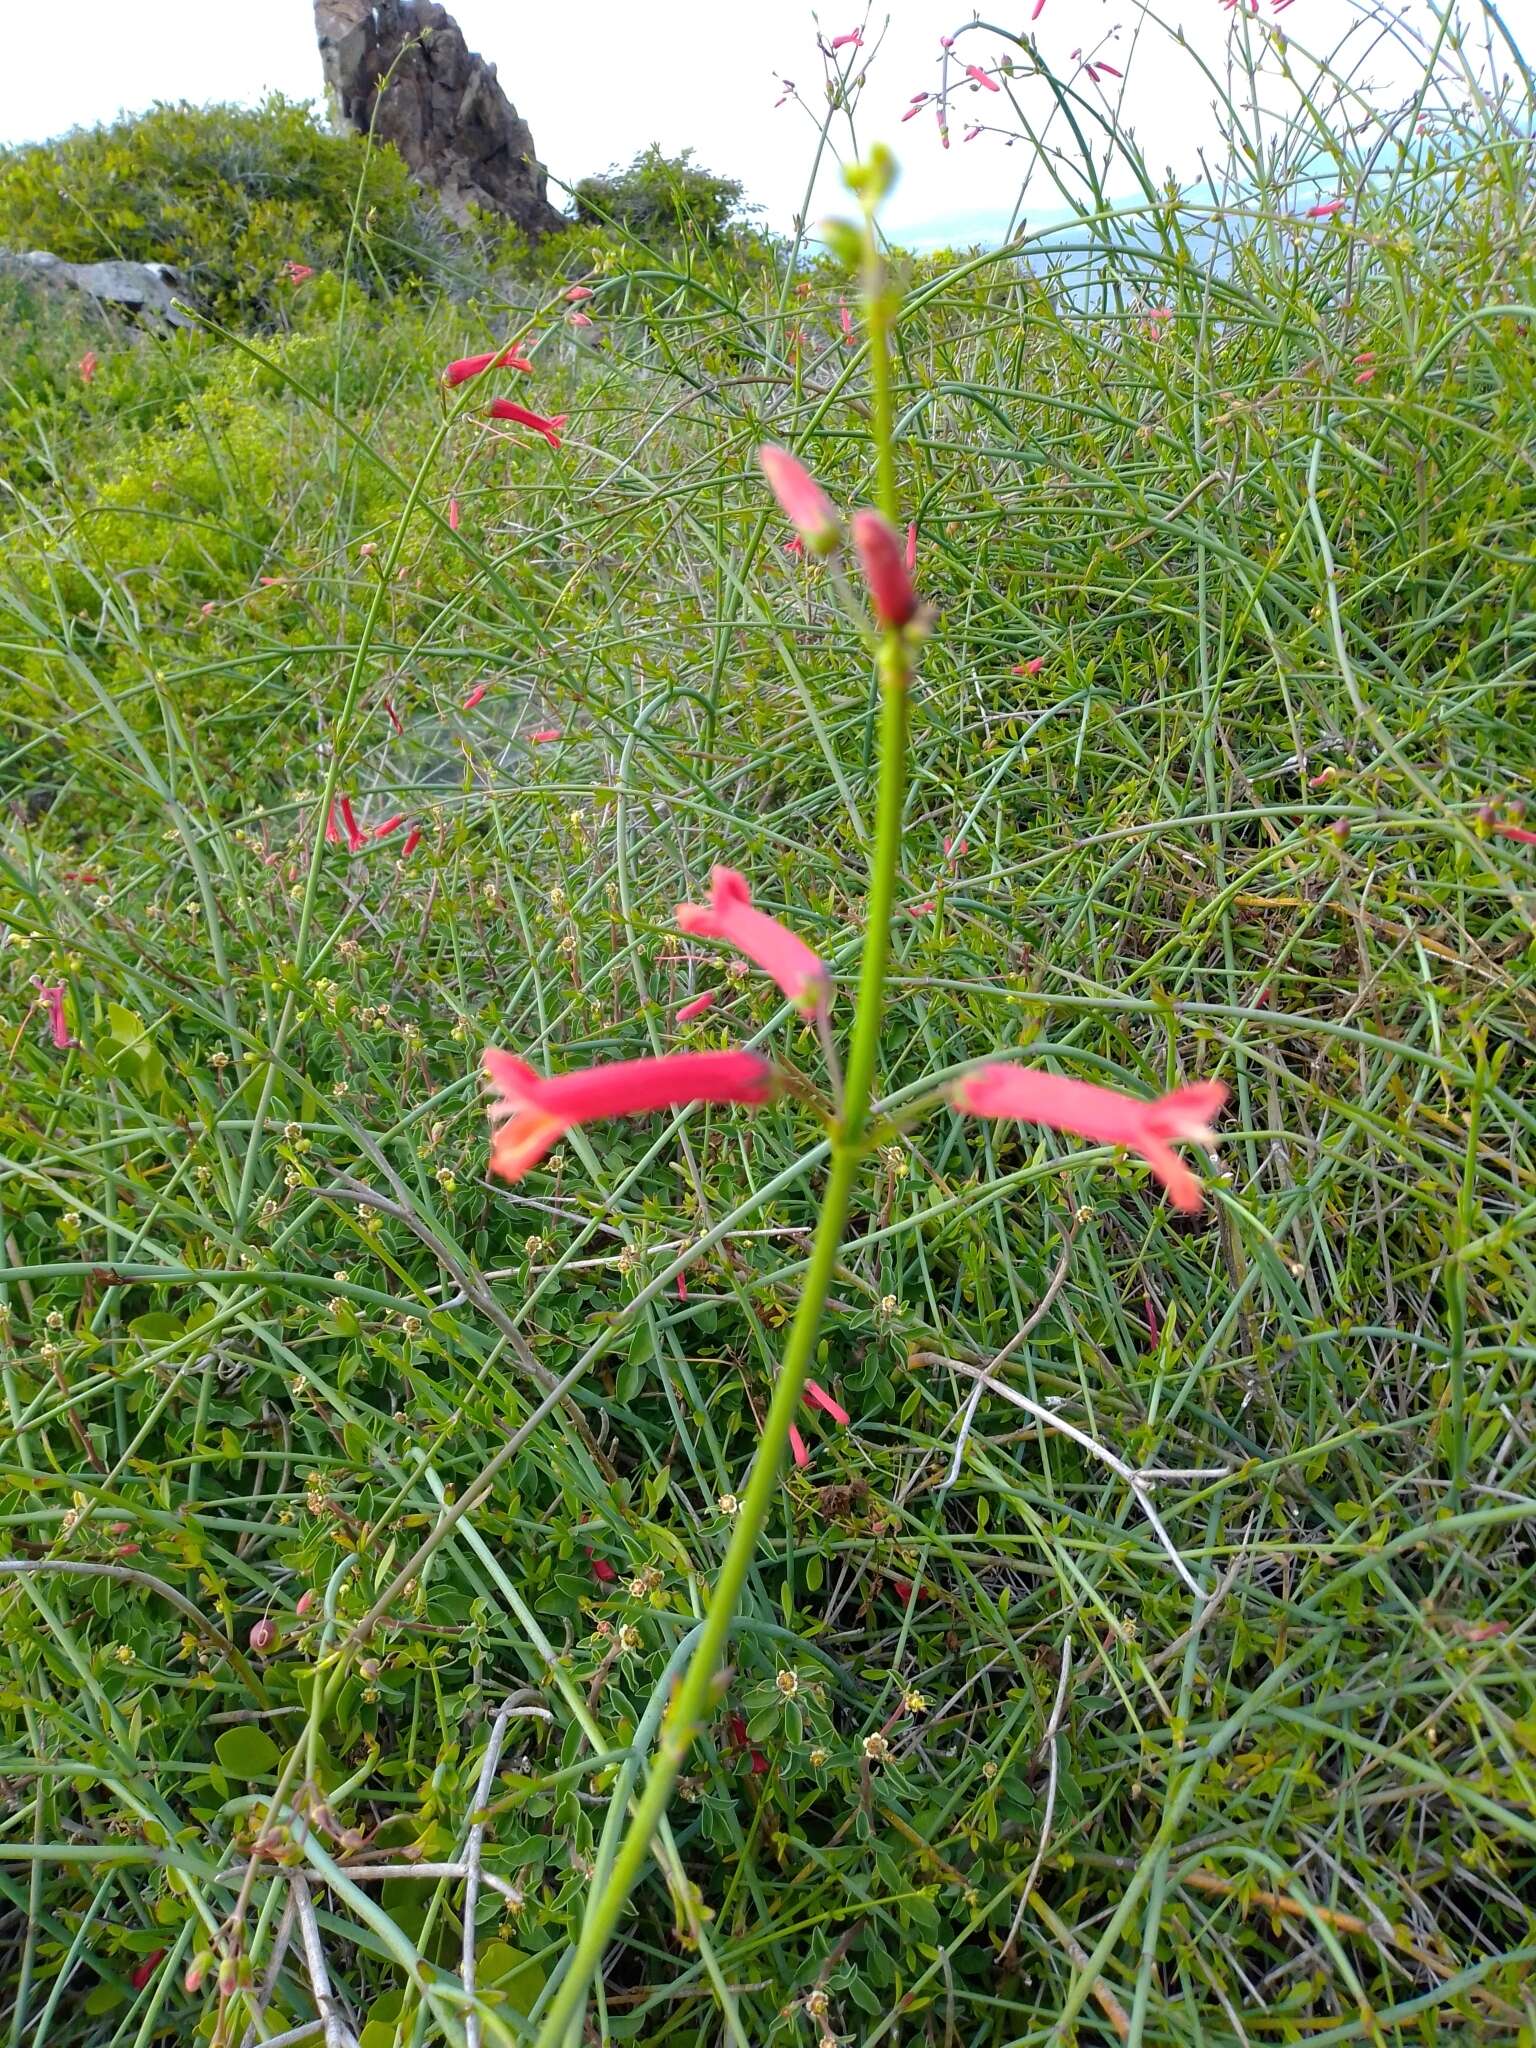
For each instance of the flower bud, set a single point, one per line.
(801, 499)
(844, 241)
(883, 560)
(873, 179)
(263, 1635)
(197, 1970)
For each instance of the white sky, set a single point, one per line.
(599, 81)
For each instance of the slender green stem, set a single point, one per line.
(895, 677)
(700, 1685)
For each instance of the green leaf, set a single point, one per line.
(246, 1751)
(156, 1327)
(516, 1976)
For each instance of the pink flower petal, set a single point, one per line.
(818, 1397)
(532, 1113)
(466, 367)
(506, 409)
(1103, 1115)
(730, 915)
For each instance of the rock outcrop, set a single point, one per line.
(442, 107)
(147, 291)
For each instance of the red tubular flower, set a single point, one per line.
(854, 39)
(845, 320)
(1029, 668)
(354, 834)
(1110, 69)
(970, 135)
(914, 109)
(883, 560)
(51, 995)
(141, 1973)
(465, 367)
(412, 841)
(394, 716)
(982, 77)
(475, 695)
(801, 499)
(1039, 10)
(818, 1397)
(697, 1007)
(534, 1114)
(910, 556)
(577, 293)
(87, 365)
(545, 734)
(798, 1452)
(578, 319)
(1326, 210)
(740, 1740)
(794, 545)
(1517, 832)
(389, 825)
(504, 409)
(296, 273)
(602, 1570)
(682, 1288)
(729, 915)
(1103, 1115)
(453, 515)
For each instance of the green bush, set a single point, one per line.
(662, 199)
(226, 195)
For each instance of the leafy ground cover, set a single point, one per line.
(335, 1640)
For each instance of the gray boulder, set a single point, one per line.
(147, 291)
(443, 108)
